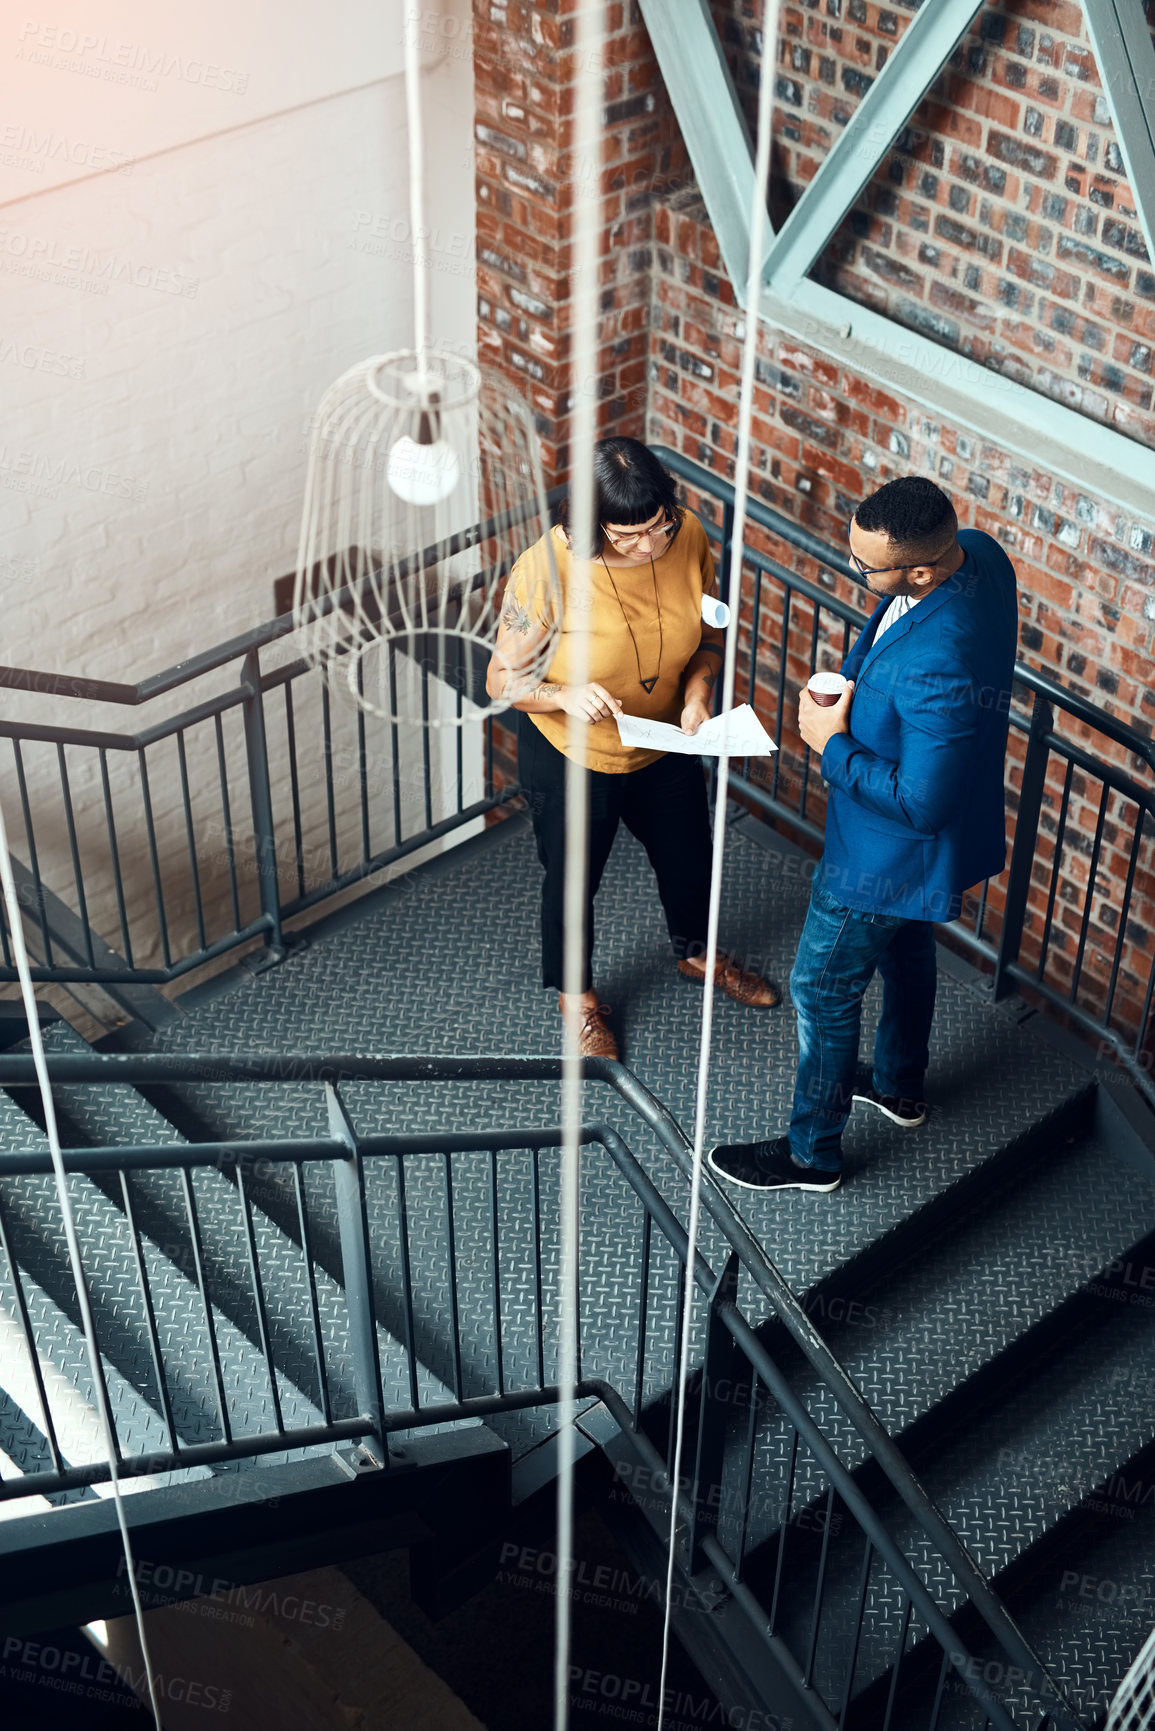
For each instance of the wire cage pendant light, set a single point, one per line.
(424, 483)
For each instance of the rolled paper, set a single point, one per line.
(715, 612)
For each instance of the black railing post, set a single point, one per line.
(726, 555)
(353, 1224)
(264, 837)
(1023, 847)
(725, 584)
(720, 1375)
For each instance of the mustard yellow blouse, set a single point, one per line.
(684, 572)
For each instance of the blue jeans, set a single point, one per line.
(838, 952)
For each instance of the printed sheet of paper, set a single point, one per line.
(744, 735)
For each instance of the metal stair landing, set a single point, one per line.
(951, 1274)
(451, 966)
(434, 970)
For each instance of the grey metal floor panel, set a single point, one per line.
(1088, 1629)
(432, 968)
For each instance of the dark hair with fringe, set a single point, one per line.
(913, 513)
(630, 486)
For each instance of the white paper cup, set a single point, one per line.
(715, 612)
(826, 688)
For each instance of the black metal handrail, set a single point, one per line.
(280, 812)
(1112, 1007)
(835, 559)
(1123, 1038)
(258, 636)
(18, 1071)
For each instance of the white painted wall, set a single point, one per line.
(203, 222)
(91, 83)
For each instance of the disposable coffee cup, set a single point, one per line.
(826, 688)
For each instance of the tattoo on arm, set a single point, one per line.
(704, 670)
(545, 693)
(515, 617)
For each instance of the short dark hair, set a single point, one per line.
(913, 513)
(630, 486)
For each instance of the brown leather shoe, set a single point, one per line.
(741, 984)
(595, 1039)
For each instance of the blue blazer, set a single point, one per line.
(915, 813)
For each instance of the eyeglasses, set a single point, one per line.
(656, 532)
(877, 570)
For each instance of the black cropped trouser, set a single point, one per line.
(663, 805)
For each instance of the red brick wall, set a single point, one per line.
(527, 173)
(824, 438)
(1001, 223)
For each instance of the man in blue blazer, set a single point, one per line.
(914, 756)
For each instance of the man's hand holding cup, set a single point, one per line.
(824, 709)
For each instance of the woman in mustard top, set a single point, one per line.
(649, 655)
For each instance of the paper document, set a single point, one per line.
(744, 735)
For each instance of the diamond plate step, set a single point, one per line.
(115, 1116)
(60, 1346)
(24, 1446)
(1065, 1432)
(64, 1367)
(1090, 1606)
(1025, 1460)
(32, 1215)
(947, 1317)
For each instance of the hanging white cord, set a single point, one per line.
(587, 205)
(416, 186)
(741, 495)
(27, 992)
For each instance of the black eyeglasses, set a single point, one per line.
(877, 570)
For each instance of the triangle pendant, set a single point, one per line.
(647, 685)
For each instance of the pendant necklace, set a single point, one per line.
(647, 685)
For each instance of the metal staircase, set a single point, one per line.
(921, 1447)
(958, 1280)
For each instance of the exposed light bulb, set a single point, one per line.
(423, 474)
